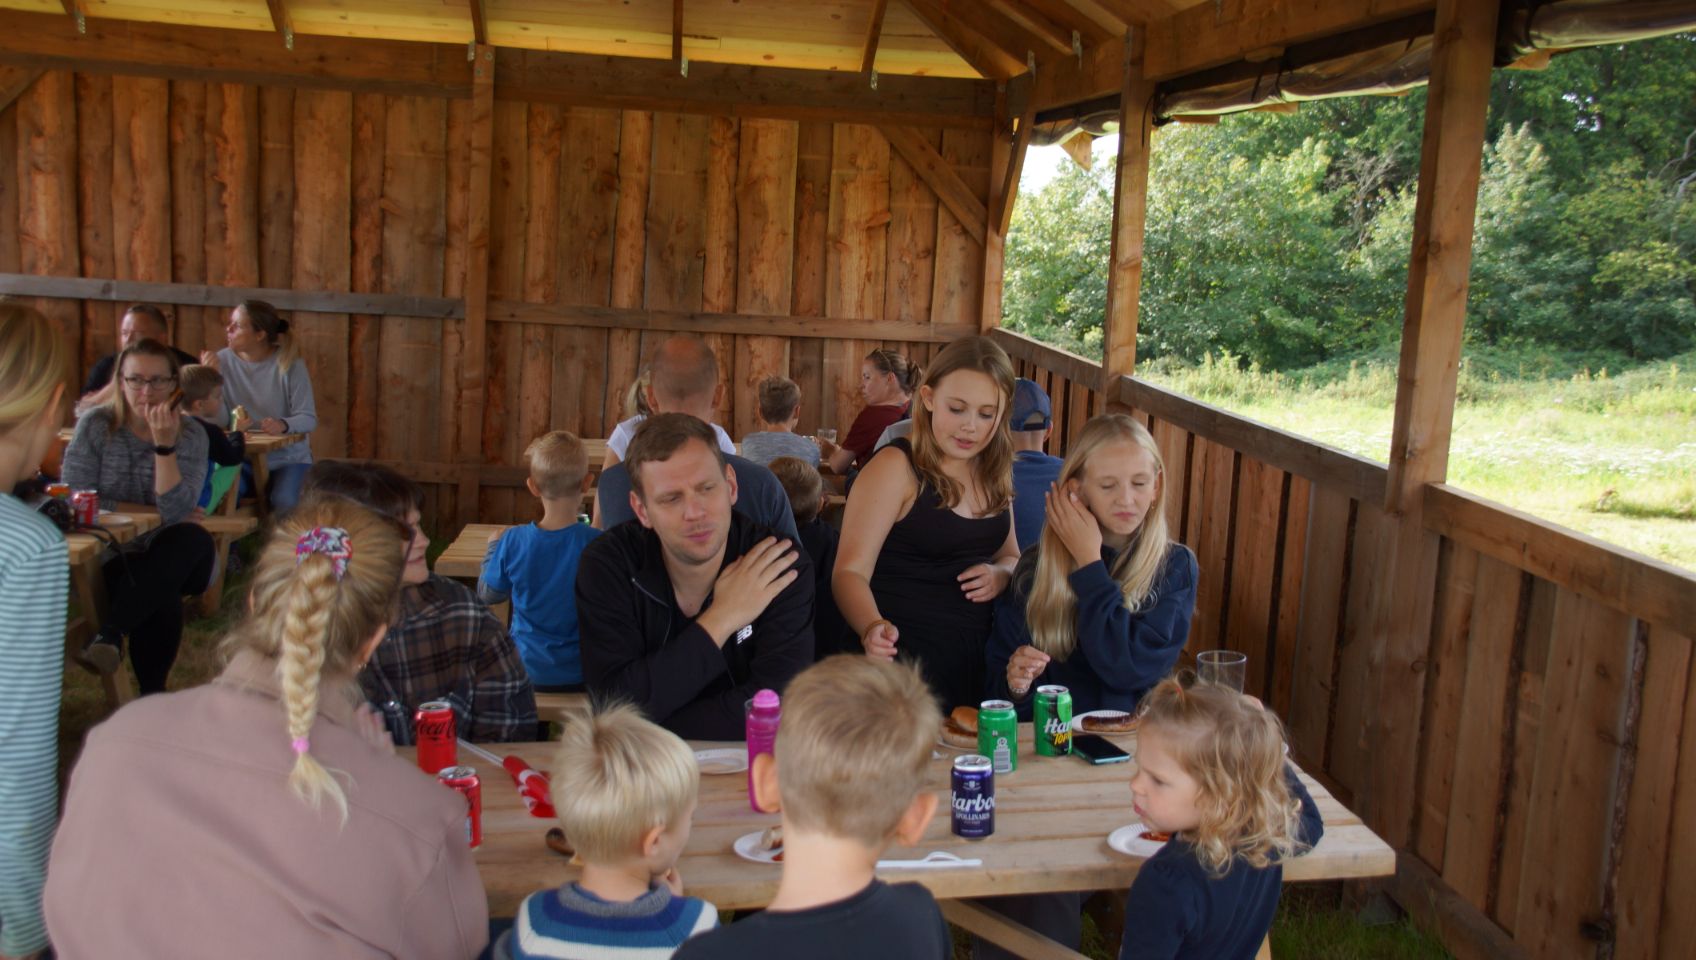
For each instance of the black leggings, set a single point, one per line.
(145, 590)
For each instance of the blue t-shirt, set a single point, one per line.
(538, 569)
(1033, 474)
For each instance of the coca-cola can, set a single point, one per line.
(85, 507)
(465, 780)
(438, 744)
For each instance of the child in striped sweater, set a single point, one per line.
(625, 792)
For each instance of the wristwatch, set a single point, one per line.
(163, 450)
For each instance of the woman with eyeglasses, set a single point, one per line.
(887, 381)
(139, 447)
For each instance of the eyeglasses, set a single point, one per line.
(148, 383)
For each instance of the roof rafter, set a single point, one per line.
(677, 32)
(479, 21)
(1071, 18)
(1055, 36)
(77, 10)
(874, 33)
(1108, 19)
(281, 21)
(993, 59)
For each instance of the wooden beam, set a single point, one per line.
(1130, 215)
(874, 33)
(209, 295)
(1438, 909)
(677, 32)
(1657, 592)
(479, 22)
(743, 91)
(998, 61)
(934, 170)
(1202, 36)
(14, 81)
(741, 324)
(1008, 195)
(1010, 935)
(1114, 21)
(1056, 37)
(1401, 611)
(177, 52)
(182, 52)
(1068, 16)
(473, 372)
(281, 22)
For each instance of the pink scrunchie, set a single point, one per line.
(301, 745)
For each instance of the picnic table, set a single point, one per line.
(88, 585)
(1052, 819)
(258, 445)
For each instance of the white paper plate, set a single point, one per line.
(1078, 721)
(1130, 840)
(747, 847)
(721, 761)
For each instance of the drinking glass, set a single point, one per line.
(1224, 667)
(827, 433)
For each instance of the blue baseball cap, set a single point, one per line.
(1030, 407)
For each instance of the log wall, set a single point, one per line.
(1556, 757)
(796, 247)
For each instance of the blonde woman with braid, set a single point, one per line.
(1102, 603)
(265, 814)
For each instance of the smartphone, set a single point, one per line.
(1097, 750)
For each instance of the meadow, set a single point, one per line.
(1608, 454)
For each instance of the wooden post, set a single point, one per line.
(472, 372)
(1130, 213)
(1405, 568)
(1007, 159)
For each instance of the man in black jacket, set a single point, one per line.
(693, 609)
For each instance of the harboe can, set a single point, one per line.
(466, 781)
(998, 734)
(1053, 721)
(438, 746)
(974, 797)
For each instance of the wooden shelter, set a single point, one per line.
(478, 214)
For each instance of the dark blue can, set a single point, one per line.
(974, 797)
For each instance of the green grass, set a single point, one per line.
(1608, 453)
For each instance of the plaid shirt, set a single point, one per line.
(447, 646)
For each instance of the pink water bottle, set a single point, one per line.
(763, 714)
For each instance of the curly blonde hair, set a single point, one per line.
(1234, 751)
(313, 623)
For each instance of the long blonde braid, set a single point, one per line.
(326, 582)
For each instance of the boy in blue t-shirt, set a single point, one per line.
(535, 565)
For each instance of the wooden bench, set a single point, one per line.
(225, 529)
(88, 589)
(556, 706)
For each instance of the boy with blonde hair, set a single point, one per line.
(780, 411)
(535, 565)
(625, 790)
(851, 775)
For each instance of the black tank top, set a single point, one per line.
(915, 588)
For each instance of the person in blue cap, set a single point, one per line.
(1034, 471)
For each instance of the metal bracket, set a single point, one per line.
(1078, 48)
(683, 67)
(1030, 62)
(874, 79)
(82, 23)
(471, 49)
(288, 38)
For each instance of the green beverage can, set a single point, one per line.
(998, 734)
(1052, 721)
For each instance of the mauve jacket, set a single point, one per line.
(182, 839)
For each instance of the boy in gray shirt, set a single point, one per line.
(780, 410)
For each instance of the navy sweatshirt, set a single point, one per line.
(1176, 910)
(1119, 655)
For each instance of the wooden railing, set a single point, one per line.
(1557, 748)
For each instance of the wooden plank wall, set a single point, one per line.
(1557, 758)
(132, 178)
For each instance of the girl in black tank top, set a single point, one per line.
(918, 584)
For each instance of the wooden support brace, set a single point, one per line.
(874, 33)
(1056, 37)
(281, 22)
(991, 59)
(479, 23)
(934, 170)
(14, 81)
(1130, 214)
(1008, 934)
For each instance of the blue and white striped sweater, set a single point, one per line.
(572, 924)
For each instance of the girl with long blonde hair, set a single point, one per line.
(1102, 603)
(927, 541)
(1211, 776)
(271, 797)
(35, 365)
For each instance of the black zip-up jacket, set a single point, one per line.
(639, 647)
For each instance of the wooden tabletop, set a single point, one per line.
(125, 523)
(463, 559)
(257, 443)
(1053, 816)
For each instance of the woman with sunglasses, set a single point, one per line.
(139, 447)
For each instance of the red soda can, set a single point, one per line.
(59, 491)
(438, 748)
(464, 779)
(85, 507)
